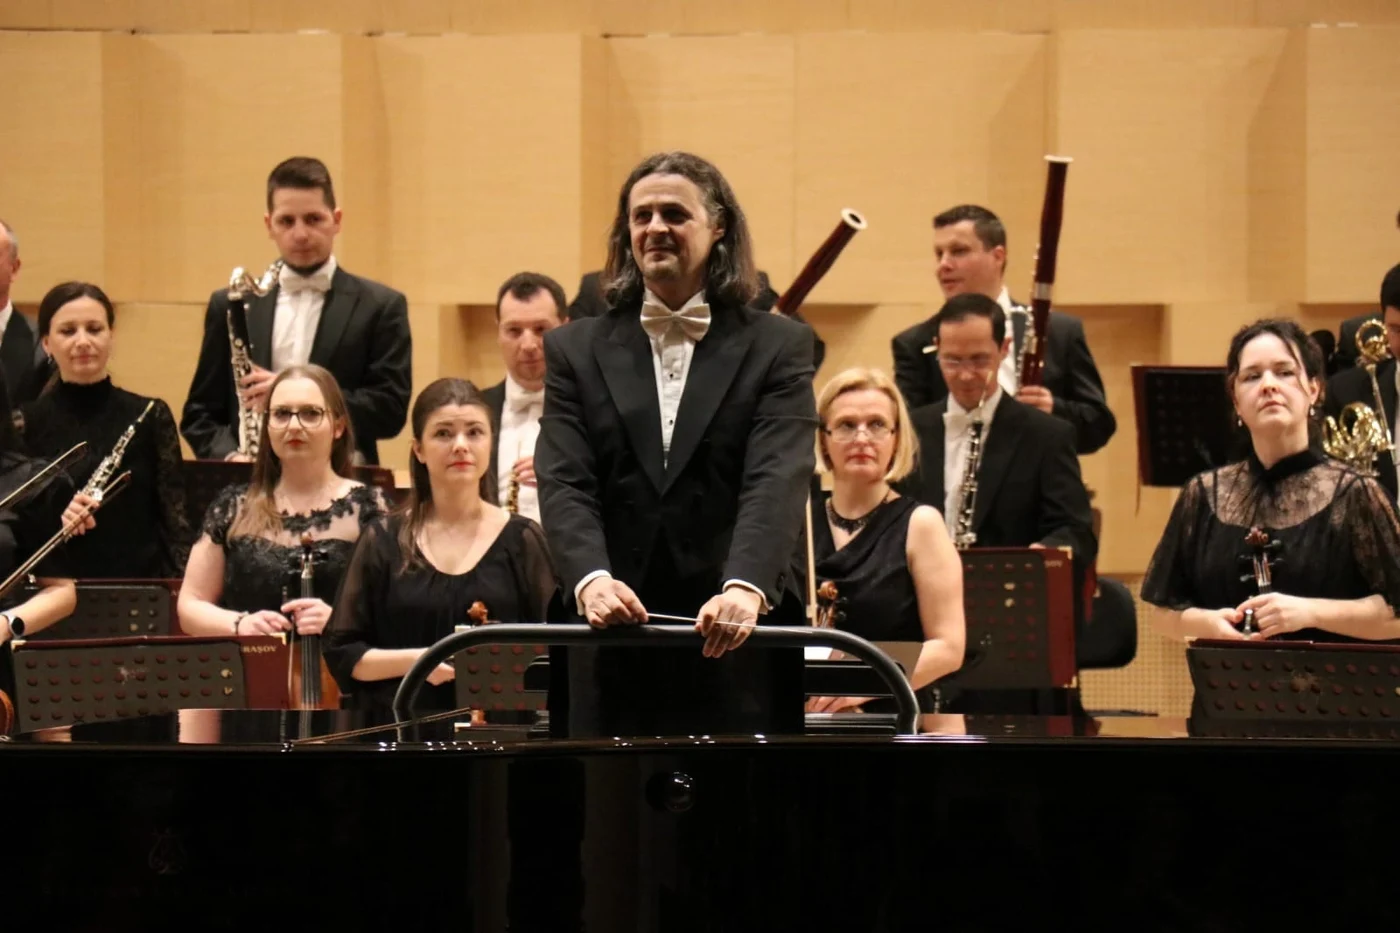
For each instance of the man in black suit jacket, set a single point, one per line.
(316, 312)
(674, 458)
(1354, 384)
(19, 352)
(970, 245)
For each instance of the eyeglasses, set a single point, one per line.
(845, 432)
(982, 362)
(309, 417)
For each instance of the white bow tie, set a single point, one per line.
(293, 282)
(523, 403)
(955, 423)
(693, 320)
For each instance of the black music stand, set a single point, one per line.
(62, 682)
(1185, 422)
(116, 609)
(1295, 681)
(491, 678)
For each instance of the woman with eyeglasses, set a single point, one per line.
(243, 575)
(143, 532)
(897, 575)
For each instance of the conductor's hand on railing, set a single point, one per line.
(607, 602)
(727, 619)
(836, 704)
(81, 506)
(309, 615)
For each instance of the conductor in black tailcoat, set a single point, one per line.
(674, 458)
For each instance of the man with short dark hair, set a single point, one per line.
(969, 244)
(316, 312)
(674, 459)
(1354, 384)
(528, 306)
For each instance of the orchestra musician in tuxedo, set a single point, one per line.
(317, 312)
(1354, 384)
(969, 244)
(674, 458)
(528, 306)
(19, 352)
(1029, 489)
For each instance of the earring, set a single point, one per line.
(1312, 412)
(1239, 422)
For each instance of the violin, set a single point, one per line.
(1261, 572)
(311, 685)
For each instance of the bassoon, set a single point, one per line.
(820, 263)
(1047, 252)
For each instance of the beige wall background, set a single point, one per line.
(1231, 159)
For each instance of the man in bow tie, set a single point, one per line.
(674, 458)
(318, 313)
(528, 306)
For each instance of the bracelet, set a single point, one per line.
(241, 617)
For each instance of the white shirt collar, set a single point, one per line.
(327, 270)
(515, 390)
(5, 313)
(988, 409)
(1004, 299)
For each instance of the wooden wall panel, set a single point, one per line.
(1158, 124)
(176, 330)
(893, 127)
(51, 184)
(194, 16)
(729, 100)
(1353, 162)
(1277, 171)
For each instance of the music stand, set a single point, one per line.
(62, 682)
(1272, 681)
(492, 678)
(1185, 422)
(116, 609)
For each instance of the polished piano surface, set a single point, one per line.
(221, 820)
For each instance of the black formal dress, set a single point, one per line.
(143, 532)
(264, 571)
(1070, 374)
(24, 528)
(1339, 534)
(363, 339)
(1354, 385)
(876, 596)
(726, 504)
(383, 605)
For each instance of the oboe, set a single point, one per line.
(109, 463)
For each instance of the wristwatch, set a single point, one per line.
(15, 624)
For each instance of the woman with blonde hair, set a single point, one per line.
(896, 572)
(245, 565)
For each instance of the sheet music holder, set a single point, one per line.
(116, 608)
(1295, 680)
(492, 678)
(205, 479)
(63, 682)
(1185, 422)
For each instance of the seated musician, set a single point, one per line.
(1354, 384)
(897, 574)
(414, 577)
(244, 571)
(143, 532)
(24, 528)
(1336, 577)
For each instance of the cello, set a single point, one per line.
(309, 681)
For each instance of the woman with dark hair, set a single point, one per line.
(142, 533)
(243, 575)
(1336, 577)
(24, 528)
(414, 577)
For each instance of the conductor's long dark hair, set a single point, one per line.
(730, 275)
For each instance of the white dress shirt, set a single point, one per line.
(671, 353)
(1007, 375)
(957, 422)
(5, 314)
(520, 428)
(298, 314)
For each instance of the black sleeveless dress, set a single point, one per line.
(876, 596)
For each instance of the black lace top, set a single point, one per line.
(1338, 531)
(142, 532)
(384, 606)
(258, 571)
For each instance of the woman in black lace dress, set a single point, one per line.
(143, 532)
(1336, 577)
(898, 576)
(414, 577)
(244, 574)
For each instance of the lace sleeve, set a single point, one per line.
(359, 603)
(222, 512)
(175, 525)
(1171, 578)
(1375, 537)
(539, 586)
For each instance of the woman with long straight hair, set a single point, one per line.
(243, 575)
(415, 576)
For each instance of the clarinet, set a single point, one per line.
(98, 481)
(963, 535)
(250, 421)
